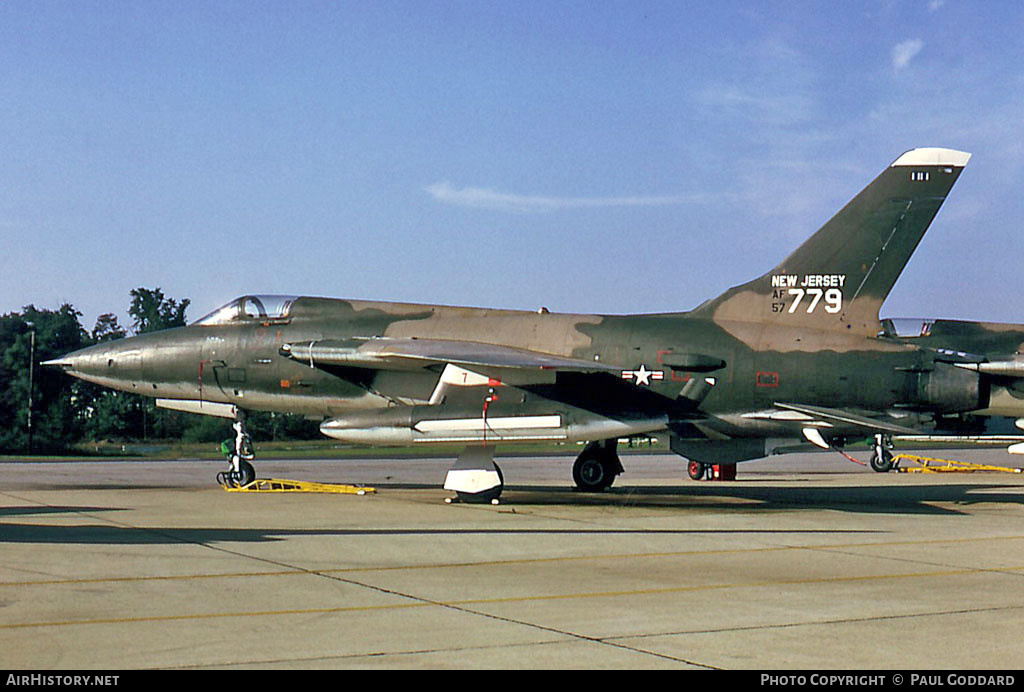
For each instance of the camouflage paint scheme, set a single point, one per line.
(798, 354)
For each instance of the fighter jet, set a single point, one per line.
(794, 357)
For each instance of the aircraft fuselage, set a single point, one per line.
(654, 358)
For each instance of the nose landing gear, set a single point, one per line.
(239, 453)
(245, 475)
(882, 459)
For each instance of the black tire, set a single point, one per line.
(246, 474)
(882, 464)
(591, 473)
(696, 470)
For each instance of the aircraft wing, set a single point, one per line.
(381, 353)
(570, 381)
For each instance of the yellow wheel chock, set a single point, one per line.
(279, 485)
(930, 465)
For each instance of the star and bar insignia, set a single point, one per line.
(642, 375)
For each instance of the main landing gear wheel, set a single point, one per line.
(596, 467)
(696, 470)
(589, 473)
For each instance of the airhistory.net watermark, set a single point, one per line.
(51, 680)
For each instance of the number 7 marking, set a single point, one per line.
(799, 293)
(816, 292)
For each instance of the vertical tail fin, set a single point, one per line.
(839, 278)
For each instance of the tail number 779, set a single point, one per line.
(832, 299)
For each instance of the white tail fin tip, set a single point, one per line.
(933, 156)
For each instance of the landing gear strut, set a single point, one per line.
(881, 460)
(597, 466)
(239, 452)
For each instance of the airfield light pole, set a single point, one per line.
(31, 379)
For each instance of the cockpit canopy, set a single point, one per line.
(250, 309)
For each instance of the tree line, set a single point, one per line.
(42, 410)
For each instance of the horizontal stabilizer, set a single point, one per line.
(831, 415)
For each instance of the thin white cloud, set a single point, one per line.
(771, 83)
(783, 106)
(904, 52)
(934, 5)
(483, 198)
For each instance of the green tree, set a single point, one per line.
(107, 328)
(56, 407)
(151, 311)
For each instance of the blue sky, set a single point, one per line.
(607, 157)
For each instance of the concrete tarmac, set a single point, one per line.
(805, 562)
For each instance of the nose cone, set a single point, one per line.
(164, 363)
(116, 364)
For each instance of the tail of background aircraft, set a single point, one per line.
(839, 278)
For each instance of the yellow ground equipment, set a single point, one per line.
(280, 485)
(930, 465)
